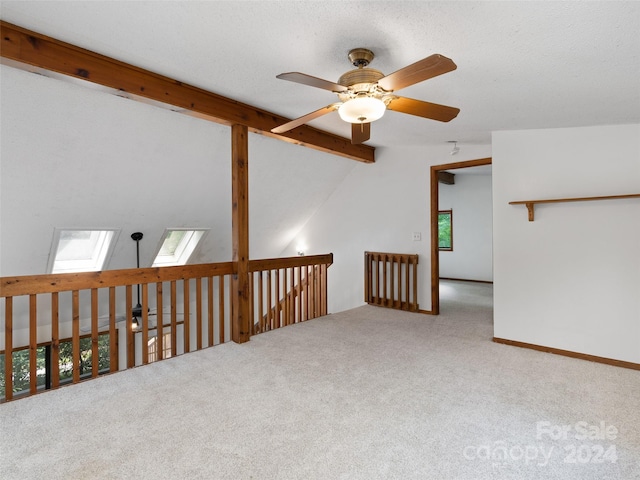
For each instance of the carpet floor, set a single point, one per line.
(369, 393)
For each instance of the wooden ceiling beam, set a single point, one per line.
(42, 52)
(447, 178)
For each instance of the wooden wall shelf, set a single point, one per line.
(530, 203)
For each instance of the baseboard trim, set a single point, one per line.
(466, 280)
(424, 312)
(568, 353)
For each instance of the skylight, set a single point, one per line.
(77, 250)
(177, 246)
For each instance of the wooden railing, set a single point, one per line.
(288, 291)
(391, 280)
(66, 328)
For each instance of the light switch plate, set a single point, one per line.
(417, 236)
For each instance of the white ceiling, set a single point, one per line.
(521, 65)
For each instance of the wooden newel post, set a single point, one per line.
(240, 321)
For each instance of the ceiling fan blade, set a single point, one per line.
(424, 69)
(103, 323)
(305, 79)
(305, 118)
(360, 132)
(434, 111)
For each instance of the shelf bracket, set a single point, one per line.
(530, 207)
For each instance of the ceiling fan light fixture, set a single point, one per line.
(362, 110)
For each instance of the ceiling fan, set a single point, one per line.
(365, 93)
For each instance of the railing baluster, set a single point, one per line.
(316, 288)
(8, 348)
(198, 313)
(210, 317)
(95, 353)
(325, 286)
(366, 277)
(414, 263)
(299, 309)
(159, 322)
(277, 297)
(270, 320)
(230, 300)
(221, 321)
(75, 335)
(113, 333)
(145, 323)
(406, 263)
(378, 267)
(33, 344)
(174, 318)
(319, 290)
(393, 276)
(261, 320)
(55, 340)
(185, 324)
(313, 292)
(252, 324)
(385, 263)
(309, 290)
(131, 354)
(292, 296)
(285, 295)
(283, 301)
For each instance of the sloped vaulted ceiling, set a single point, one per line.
(521, 65)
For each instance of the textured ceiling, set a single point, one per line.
(520, 64)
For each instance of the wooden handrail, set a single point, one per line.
(61, 282)
(531, 203)
(289, 262)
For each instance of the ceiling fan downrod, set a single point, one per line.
(137, 310)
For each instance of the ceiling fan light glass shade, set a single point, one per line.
(362, 110)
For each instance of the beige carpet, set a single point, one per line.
(365, 394)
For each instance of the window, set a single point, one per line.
(22, 370)
(153, 347)
(445, 230)
(177, 246)
(75, 250)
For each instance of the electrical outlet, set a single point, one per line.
(417, 236)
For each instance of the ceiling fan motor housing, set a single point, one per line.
(361, 82)
(360, 75)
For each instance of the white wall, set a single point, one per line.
(287, 184)
(470, 200)
(377, 207)
(570, 279)
(75, 157)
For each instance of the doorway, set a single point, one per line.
(435, 252)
